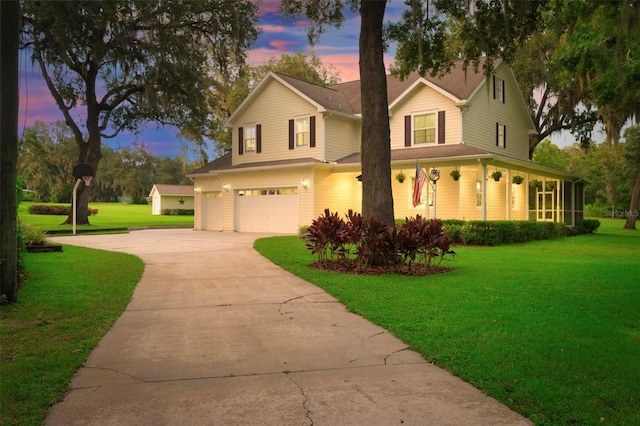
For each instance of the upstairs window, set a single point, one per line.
(250, 139)
(501, 135)
(424, 128)
(302, 132)
(498, 89)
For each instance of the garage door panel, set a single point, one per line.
(267, 210)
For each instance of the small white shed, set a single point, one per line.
(171, 197)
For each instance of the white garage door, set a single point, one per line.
(267, 210)
(212, 211)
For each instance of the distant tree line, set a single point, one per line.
(48, 153)
(608, 170)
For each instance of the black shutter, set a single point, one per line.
(312, 131)
(503, 93)
(497, 134)
(441, 126)
(258, 138)
(494, 87)
(291, 134)
(240, 140)
(504, 136)
(407, 130)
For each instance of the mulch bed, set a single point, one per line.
(350, 266)
(44, 248)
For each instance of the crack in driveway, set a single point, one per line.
(305, 399)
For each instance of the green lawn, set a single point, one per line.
(550, 328)
(70, 301)
(110, 215)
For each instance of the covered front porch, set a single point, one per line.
(490, 190)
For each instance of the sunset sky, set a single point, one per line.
(338, 47)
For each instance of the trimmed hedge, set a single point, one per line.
(493, 233)
(177, 212)
(55, 210)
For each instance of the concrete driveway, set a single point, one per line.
(215, 334)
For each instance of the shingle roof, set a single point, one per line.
(174, 189)
(427, 152)
(224, 163)
(330, 97)
(345, 97)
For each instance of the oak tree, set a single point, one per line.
(375, 146)
(115, 65)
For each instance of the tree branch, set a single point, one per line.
(58, 98)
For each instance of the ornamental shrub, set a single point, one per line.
(56, 210)
(587, 226)
(416, 241)
(177, 212)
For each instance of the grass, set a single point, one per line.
(110, 215)
(70, 301)
(549, 328)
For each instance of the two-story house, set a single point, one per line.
(296, 152)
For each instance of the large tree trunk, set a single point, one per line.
(9, 41)
(375, 148)
(634, 207)
(89, 153)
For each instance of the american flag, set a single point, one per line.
(418, 183)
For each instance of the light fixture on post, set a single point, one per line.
(226, 187)
(434, 175)
(82, 172)
(304, 183)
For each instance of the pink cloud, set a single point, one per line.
(282, 46)
(273, 28)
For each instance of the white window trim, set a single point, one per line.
(501, 143)
(245, 130)
(413, 129)
(295, 132)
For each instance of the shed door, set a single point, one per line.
(212, 211)
(267, 210)
(156, 203)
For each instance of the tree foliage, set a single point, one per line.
(48, 153)
(550, 155)
(434, 33)
(123, 63)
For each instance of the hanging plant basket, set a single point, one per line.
(496, 175)
(518, 179)
(455, 174)
(400, 177)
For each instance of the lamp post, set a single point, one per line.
(434, 175)
(82, 172)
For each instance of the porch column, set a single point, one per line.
(484, 191)
(509, 194)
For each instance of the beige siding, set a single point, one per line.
(202, 185)
(337, 192)
(264, 179)
(341, 137)
(479, 120)
(497, 199)
(173, 202)
(272, 108)
(469, 210)
(425, 99)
